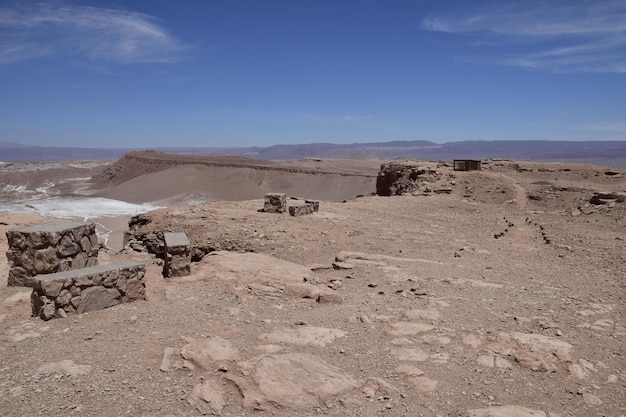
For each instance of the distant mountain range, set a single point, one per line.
(609, 153)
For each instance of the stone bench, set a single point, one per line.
(50, 247)
(177, 255)
(87, 289)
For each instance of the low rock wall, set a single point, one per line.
(48, 248)
(87, 289)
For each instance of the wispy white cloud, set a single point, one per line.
(558, 36)
(92, 33)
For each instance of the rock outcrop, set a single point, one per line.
(400, 178)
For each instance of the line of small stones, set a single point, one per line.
(509, 225)
(546, 239)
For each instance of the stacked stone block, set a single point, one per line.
(308, 207)
(275, 203)
(177, 255)
(314, 203)
(87, 289)
(48, 248)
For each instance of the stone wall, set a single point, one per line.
(48, 248)
(87, 289)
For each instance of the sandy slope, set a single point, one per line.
(142, 177)
(427, 313)
(227, 183)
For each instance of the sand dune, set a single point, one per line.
(236, 184)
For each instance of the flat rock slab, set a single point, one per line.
(423, 384)
(506, 411)
(207, 352)
(408, 328)
(293, 381)
(65, 367)
(255, 267)
(92, 270)
(50, 227)
(534, 351)
(178, 255)
(360, 257)
(175, 239)
(304, 335)
(426, 314)
(265, 276)
(410, 354)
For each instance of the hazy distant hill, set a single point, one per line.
(17, 152)
(610, 153)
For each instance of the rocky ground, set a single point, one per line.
(503, 296)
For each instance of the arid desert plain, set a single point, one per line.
(497, 292)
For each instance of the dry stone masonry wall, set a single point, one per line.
(275, 203)
(177, 255)
(309, 206)
(87, 289)
(48, 248)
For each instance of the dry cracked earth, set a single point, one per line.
(504, 298)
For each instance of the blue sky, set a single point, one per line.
(217, 73)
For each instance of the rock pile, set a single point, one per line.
(608, 198)
(49, 248)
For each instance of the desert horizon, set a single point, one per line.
(597, 152)
(326, 208)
